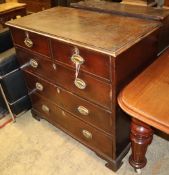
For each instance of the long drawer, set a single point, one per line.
(92, 62)
(86, 134)
(85, 86)
(83, 109)
(31, 41)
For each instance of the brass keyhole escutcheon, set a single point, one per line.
(58, 90)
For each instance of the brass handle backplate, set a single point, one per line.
(77, 59)
(45, 108)
(79, 83)
(83, 110)
(33, 63)
(28, 42)
(39, 86)
(87, 134)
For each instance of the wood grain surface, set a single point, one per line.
(146, 98)
(110, 34)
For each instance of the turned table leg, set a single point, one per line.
(141, 136)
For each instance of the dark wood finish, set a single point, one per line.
(96, 91)
(45, 65)
(40, 43)
(100, 64)
(166, 3)
(37, 5)
(144, 12)
(145, 99)
(97, 116)
(141, 136)
(99, 141)
(11, 13)
(104, 53)
(116, 40)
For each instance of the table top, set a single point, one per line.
(11, 6)
(147, 96)
(106, 33)
(124, 9)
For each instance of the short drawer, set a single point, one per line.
(93, 62)
(84, 110)
(85, 86)
(31, 41)
(37, 64)
(86, 134)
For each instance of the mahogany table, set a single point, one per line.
(146, 100)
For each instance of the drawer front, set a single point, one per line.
(91, 137)
(81, 108)
(88, 87)
(39, 65)
(31, 41)
(92, 62)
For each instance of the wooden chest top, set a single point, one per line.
(106, 33)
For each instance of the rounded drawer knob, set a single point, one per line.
(82, 110)
(79, 83)
(45, 108)
(39, 86)
(87, 134)
(28, 42)
(33, 63)
(77, 59)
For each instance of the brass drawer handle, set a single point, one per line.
(77, 59)
(39, 86)
(33, 63)
(87, 134)
(45, 108)
(83, 110)
(28, 42)
(79, 83)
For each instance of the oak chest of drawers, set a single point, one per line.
(75, 62)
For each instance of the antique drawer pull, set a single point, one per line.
(87, 134)
(77, 59)
(45, 108)
(28, 42)
(39, 86)
(83, 110)
(79, 83)
(33, 63)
